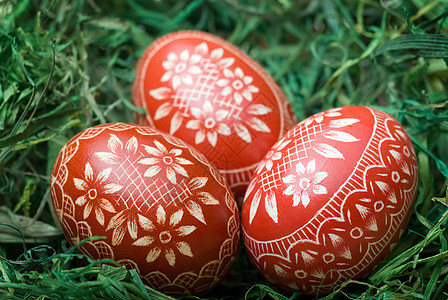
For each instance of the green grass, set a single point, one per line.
(67, 65)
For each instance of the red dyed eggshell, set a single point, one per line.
(164, 210)
(213, 96)
(330, 199)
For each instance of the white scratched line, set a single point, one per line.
(233, 107)
(181, 196)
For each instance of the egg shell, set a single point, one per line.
(212, 95)
(330, 199)
(163, 209)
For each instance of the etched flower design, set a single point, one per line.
(238, 85)
(94, 189)
(273, 155)
(165, 236)
(125, 221)
(181, 68)
(305, 182)
(208, 123)
(162, 159)
(118, 150)
(216, 55)
(203, 60)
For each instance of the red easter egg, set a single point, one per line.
(330, 199)
(163, 209)
(213, 96)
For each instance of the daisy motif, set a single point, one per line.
(216, 56)
(165, 237)
(208, 124)
(181, 68)
(118, 150)
(161, 159)
(273, 155)
(268, 161)
(305, 182)
(94, 191)
(238, 85)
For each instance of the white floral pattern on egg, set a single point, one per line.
(163, 208)
(209, 93)
(330, 199)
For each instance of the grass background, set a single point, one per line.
(67, 65)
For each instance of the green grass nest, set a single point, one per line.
(68, 65)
